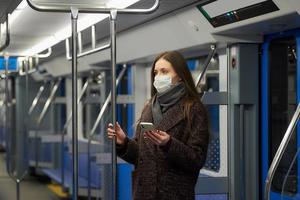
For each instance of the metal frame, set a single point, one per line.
(82, 92)
(41, 117)
(265, 165)
(37, 56)
(267, 175)
(87, 8)
(242, 114)
(106, 103)
(49, 101)
(93, 42)
(7, 41)
(93, 130)
(37, 98)
(65, 128)
(207, 61)
(45, 55)
(280, 151)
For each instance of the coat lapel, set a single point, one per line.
(171, 117)
(147, 114)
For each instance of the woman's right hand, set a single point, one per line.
(117, 132)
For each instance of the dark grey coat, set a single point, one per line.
(168, 174)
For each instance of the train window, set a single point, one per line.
(283, 103)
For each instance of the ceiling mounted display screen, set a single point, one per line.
(223, 12)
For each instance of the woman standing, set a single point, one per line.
(167, 159)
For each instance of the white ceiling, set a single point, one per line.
(32, 27)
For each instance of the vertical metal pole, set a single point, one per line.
(229, 135)
(242, 153)
(89, 166)
(113, 16)
(36, 147)
(26, 101)
(62, 161)
(74, 17)
(8, 150)
(18, 181)
(93, 34)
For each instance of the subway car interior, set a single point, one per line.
(94, 58)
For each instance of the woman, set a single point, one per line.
(167, 160)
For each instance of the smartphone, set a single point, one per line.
(146, 126)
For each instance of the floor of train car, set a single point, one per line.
(31, 187)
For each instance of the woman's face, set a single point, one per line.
(163, 67)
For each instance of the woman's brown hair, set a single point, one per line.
(180, 67)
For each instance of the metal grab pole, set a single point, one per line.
(113, 16)
(36, 99)
(107, 101)
(74, 17)
(8, 150)
(84, 88)
(18, 182)
(41, 117)
(280, 151)
(242, 150)
(93, 130)
(87, 8)
(207, 61)
(49, 101)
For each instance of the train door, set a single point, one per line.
(280, 94)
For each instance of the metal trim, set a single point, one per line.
(86, 8)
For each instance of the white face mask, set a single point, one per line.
(162, 83)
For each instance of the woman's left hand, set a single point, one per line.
(158, 137)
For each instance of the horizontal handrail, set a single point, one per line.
(49, 100)
(107, 101)
(280, 151)
(45, 55)
(82, 54)
(207, 61)
(84, 88)
(86, 8)
(7, 41)
(24, 64)
(36, 98)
